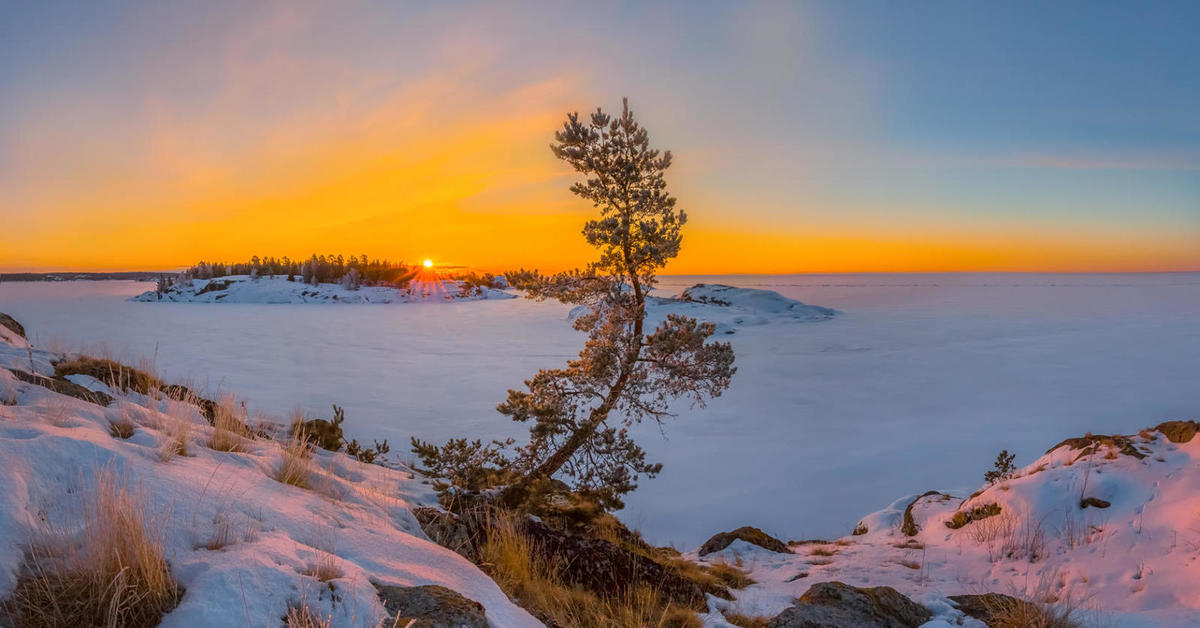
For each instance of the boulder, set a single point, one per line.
(1094, 502)
(431, 606)
(838, 605)
(1178, 431)
(12, 324)
(745, 533)
(987, 606)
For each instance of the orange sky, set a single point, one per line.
(270, 144)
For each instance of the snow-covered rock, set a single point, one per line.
(358, 520)
(1133, 562)
(730, 307)
(246, 289)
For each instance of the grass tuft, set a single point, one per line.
(111, 573)
(301, 616)
(295, 465)
(229, 431)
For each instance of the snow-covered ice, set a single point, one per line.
(915, 384)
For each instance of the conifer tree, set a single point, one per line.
(579, 415)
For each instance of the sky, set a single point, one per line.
(838, 136)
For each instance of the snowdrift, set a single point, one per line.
(1106, 524)
(266, 537)
(278, 290)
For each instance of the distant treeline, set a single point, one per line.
(353, 271)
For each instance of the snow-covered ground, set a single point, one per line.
(915, 384)
(278, 290)
(357, 521)
(1133, 561)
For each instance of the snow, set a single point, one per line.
(51, 446)
(1133, 563)
(916, 384)
(278, 290)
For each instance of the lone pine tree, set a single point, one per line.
(579, 414)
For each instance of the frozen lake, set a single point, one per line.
(918, 385)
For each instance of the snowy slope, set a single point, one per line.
(358, 518)
(1135, 562)
(245, 289)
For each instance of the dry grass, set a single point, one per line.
(121, 428)
(295, 465)
(324, 568)
(1014, 613)
(911, 564)
(301, 616)
(229, 431)
(179, 431)
(510, 560)
(115, 375)
(223, 534)
(746, 621)
(108, 572)
(823, 551)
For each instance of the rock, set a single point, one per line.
(838, 605)
(1093, 442)
(12, 324)
(984, 607)
(178, 392)
(609, 570)
(963, 517)
(860, 529)
(1175, 431)
(1094, 502)
(63, 386)
(909, 527)
(745, 533)
(432, 606)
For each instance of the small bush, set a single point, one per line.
(1003, 468)
(113, 575)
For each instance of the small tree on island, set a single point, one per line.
(580, 414)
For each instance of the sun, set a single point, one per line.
(428, 263)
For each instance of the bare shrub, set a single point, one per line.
(110, 572)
